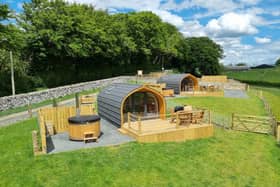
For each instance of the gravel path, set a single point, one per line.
(236, 94)
(110, 136)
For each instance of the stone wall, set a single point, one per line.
(39, 96)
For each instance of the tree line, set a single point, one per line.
(56, 43)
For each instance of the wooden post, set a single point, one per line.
(232, 120)
(139, 124)
(128, 119)
(35, 142)
(177, 120)
(278, 132)
(261, 94)
(209, 120)
(29, 110)
(12, 74)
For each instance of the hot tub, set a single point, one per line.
(78, 125)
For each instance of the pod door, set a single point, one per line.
(144, 104)
(187, 84)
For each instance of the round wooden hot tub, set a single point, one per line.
(78, 125)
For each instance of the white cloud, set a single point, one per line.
(214, 4)
(235, 51)
(170, 18)
(193, 29)
(262, 40)
(136, 5)
(233, 25)
(249, 2)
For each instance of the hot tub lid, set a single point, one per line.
(83, 119)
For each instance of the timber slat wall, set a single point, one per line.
(250, 123)
(214, 78)
(203, 94)
(58, 116)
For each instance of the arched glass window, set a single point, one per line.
(141, 103)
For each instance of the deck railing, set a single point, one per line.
(196, 116)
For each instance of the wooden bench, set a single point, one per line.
(90, 136)
(187, 117)
(49, 127)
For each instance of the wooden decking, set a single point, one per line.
(159, 130)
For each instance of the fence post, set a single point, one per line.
(177, 120)
(29, 110)
(209, 115)
(35, 142)
(278, 132)
(232, 120)
(139, 124)
(128, 119)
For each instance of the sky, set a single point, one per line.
(248, 30)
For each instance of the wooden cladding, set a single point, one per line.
(214, 78)
(58, 117)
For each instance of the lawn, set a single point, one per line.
(222, 107)
(228, 159)
(264, 77)
(272, 96)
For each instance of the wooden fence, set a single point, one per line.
(203, 93)
(278, 132)
(249, 123)
(214, 78)
(58, 117)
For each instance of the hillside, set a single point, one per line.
(263, 77)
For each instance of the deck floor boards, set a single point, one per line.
(159, 130)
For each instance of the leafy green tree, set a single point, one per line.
(205, 55)
(241, 64)
(277, 63)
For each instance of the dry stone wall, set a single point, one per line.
(8, 102)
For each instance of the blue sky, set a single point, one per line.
(248, 30)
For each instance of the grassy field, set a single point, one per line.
(272, 96)
(264, 77)
(228, 159)
(223, 105)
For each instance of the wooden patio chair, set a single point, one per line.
(197, 117)
(185, 117)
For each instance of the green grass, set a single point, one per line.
(223, 105)
(43, 103)
(263, 77)
(228, 159)
(272, 96)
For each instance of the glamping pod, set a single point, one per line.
(180, 82)
(115, 101)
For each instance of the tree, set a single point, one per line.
(241, 64)
(204, 54)
(277, 63)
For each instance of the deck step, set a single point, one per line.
(123, 131)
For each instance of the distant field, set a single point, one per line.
(263, 77)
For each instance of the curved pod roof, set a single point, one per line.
(174, 81)
(110, 101)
